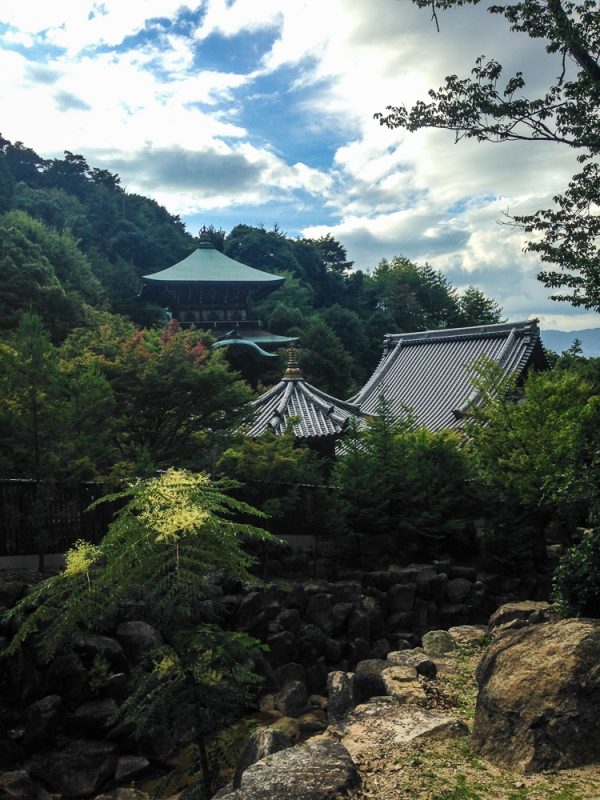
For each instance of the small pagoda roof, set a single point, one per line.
(429, 372)
(313, 413)
(208, 265)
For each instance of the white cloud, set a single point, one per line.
(184, 134)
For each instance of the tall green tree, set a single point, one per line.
(535, 452)
(416, 297)
(477, 309)
(489, 108)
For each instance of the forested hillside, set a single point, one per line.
(74, 242)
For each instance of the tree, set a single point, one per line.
(417, 297)
(477, 309)
(405, 484)
(487, 109)
(174, 533)
(175, 397)
(534, 453)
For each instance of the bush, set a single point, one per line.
(576, 582)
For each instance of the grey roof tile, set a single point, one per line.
(315, 413)
(428, 371)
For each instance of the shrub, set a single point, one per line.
(576, 582)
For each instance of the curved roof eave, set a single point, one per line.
(209, 265)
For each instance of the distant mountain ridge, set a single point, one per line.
(562, 340)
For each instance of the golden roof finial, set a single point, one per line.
(293, 370)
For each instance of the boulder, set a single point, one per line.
(318, 770)
(318, 612)
(526, 611)
(262, 743)
(340, 693)
(17, 785)
(92, 646)
(382, 725)
(469, 634)
(67, 676)
(401, 597)
(292, 699)
(438, 643)
(458, 589)
(138, 639)
(538, 705)
(42, 719)
(130, 767)
(291, 672)
(413, 658)
(282, 647)
(316, 676)
(367, 678)
(94, 717)
(401, 683)
(77, 770)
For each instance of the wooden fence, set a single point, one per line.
(36, 517)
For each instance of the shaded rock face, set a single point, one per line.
(261, 744)
(340, 693)
(77, 770)
(539, 697)
(318, 770)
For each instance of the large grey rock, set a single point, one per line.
(438, 643)
(413, 658)
(469, 634)
(402, 684)
(525, 612)
(68, 677)
(318, 612)
(381, 725)
(340, 695)
(17, 785)
(77, 770)
(292, 699)
(538, 705)
(458, 589)
(262, 743)
(401, 597)
(94, 717)
(42, 719)
(319, 770)
(367, 678)
(92, 646)
(130, 767)
(138, 639)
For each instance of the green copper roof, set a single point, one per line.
(209, 265)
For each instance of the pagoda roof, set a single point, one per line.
(208, 265)
(429, 372)
(314, 413)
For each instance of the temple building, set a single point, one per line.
(316, 418)
(211, 291)
(429, 372)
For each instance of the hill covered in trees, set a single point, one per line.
(74, 243)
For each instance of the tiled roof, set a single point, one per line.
(428, 371)
(316, 413)
(209, 265)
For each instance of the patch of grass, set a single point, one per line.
(461, 791)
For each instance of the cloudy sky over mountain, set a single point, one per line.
(261, 112)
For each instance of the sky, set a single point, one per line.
(261, 112)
